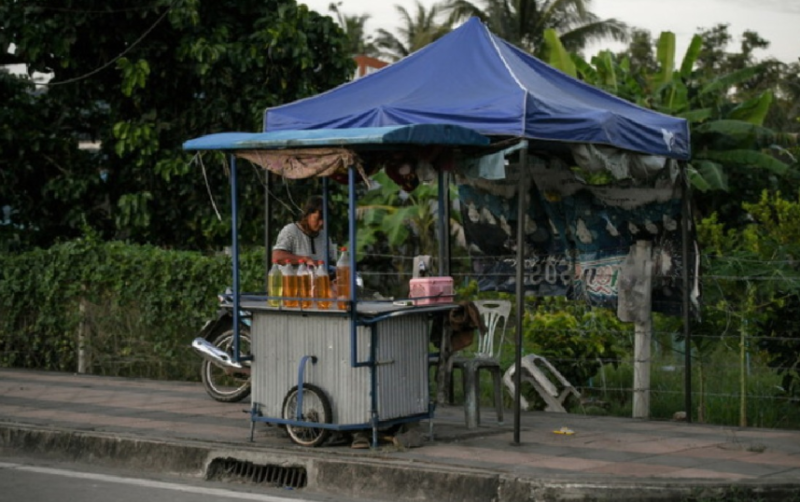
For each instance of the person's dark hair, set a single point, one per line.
(311, 206)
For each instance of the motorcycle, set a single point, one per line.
(224, 379)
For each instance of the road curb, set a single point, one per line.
(367, 476)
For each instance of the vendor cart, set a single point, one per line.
(363, 368)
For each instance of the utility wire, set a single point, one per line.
(92, 11)
(130, 48)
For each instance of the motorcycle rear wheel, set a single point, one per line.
(218, 384)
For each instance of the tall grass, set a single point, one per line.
(767, 405)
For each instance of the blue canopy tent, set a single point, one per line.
(475, 79)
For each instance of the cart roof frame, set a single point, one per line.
(416, 134)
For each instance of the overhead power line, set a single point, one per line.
(114, 60)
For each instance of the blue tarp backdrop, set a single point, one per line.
(577, 236)
(477, 80)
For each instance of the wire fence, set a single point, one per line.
(745, 346)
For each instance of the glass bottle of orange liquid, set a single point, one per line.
(343, 279)
(275, 284)
(322, 286)
(304, 285)
(290, 288)
(312, 275)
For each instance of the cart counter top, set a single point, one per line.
(365, 309)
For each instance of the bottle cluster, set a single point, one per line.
(308, 285)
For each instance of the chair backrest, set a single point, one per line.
(494, 313)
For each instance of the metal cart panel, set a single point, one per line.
(280, 340)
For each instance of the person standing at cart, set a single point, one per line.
(304, 239)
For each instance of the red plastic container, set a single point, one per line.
(431, 290)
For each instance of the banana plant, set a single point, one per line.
(725, 135)
(402, 223)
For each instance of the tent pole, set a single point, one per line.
(235, 256)
(267, 226)
(687, 332)
(325, 216)
(446, 241)
(521, 211)
(444, 223)
(643, 327)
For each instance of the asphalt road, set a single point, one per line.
(27, 480)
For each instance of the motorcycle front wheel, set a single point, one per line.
(221, 386)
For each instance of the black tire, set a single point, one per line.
(218, 384)
(316, 408)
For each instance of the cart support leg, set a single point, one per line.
(301, 373)
(374, 430)
(254, 412)
(431, 408)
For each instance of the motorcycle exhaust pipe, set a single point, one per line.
(218, 357)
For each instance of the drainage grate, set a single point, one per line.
(230, 469)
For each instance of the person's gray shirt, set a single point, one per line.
(292, 240)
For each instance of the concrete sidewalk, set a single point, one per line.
(175, 427)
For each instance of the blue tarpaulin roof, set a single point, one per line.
(421, 134)
(477, 80)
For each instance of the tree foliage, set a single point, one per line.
(756, 285)
(419, 28)
(358, 41)
(141, 79)
(524, 22)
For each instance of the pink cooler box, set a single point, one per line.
(437, 289)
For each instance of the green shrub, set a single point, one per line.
(138, 307)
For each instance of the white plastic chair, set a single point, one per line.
(495, 314)
(548, 382)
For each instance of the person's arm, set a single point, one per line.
(283, 256)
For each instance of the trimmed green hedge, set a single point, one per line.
(138, 307)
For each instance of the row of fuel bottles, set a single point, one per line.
(308, 285)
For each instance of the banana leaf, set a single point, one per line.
(746, 158)
(605, 61)
(742, 132)
(690, 58)
(558, 57)
(729, 80)
(705, 176)
(586, 70)
(665, 54)
(753, 110)
(698, 115)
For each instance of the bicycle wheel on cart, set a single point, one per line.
(316, 408)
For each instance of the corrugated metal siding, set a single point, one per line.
(403, 384)
(281, 340)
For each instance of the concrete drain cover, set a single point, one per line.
(230, 469)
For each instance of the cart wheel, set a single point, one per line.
(316, 408)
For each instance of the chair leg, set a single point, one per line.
(451, 397)
(471, 405)
(498, 394)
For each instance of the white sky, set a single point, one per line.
(777, 21)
